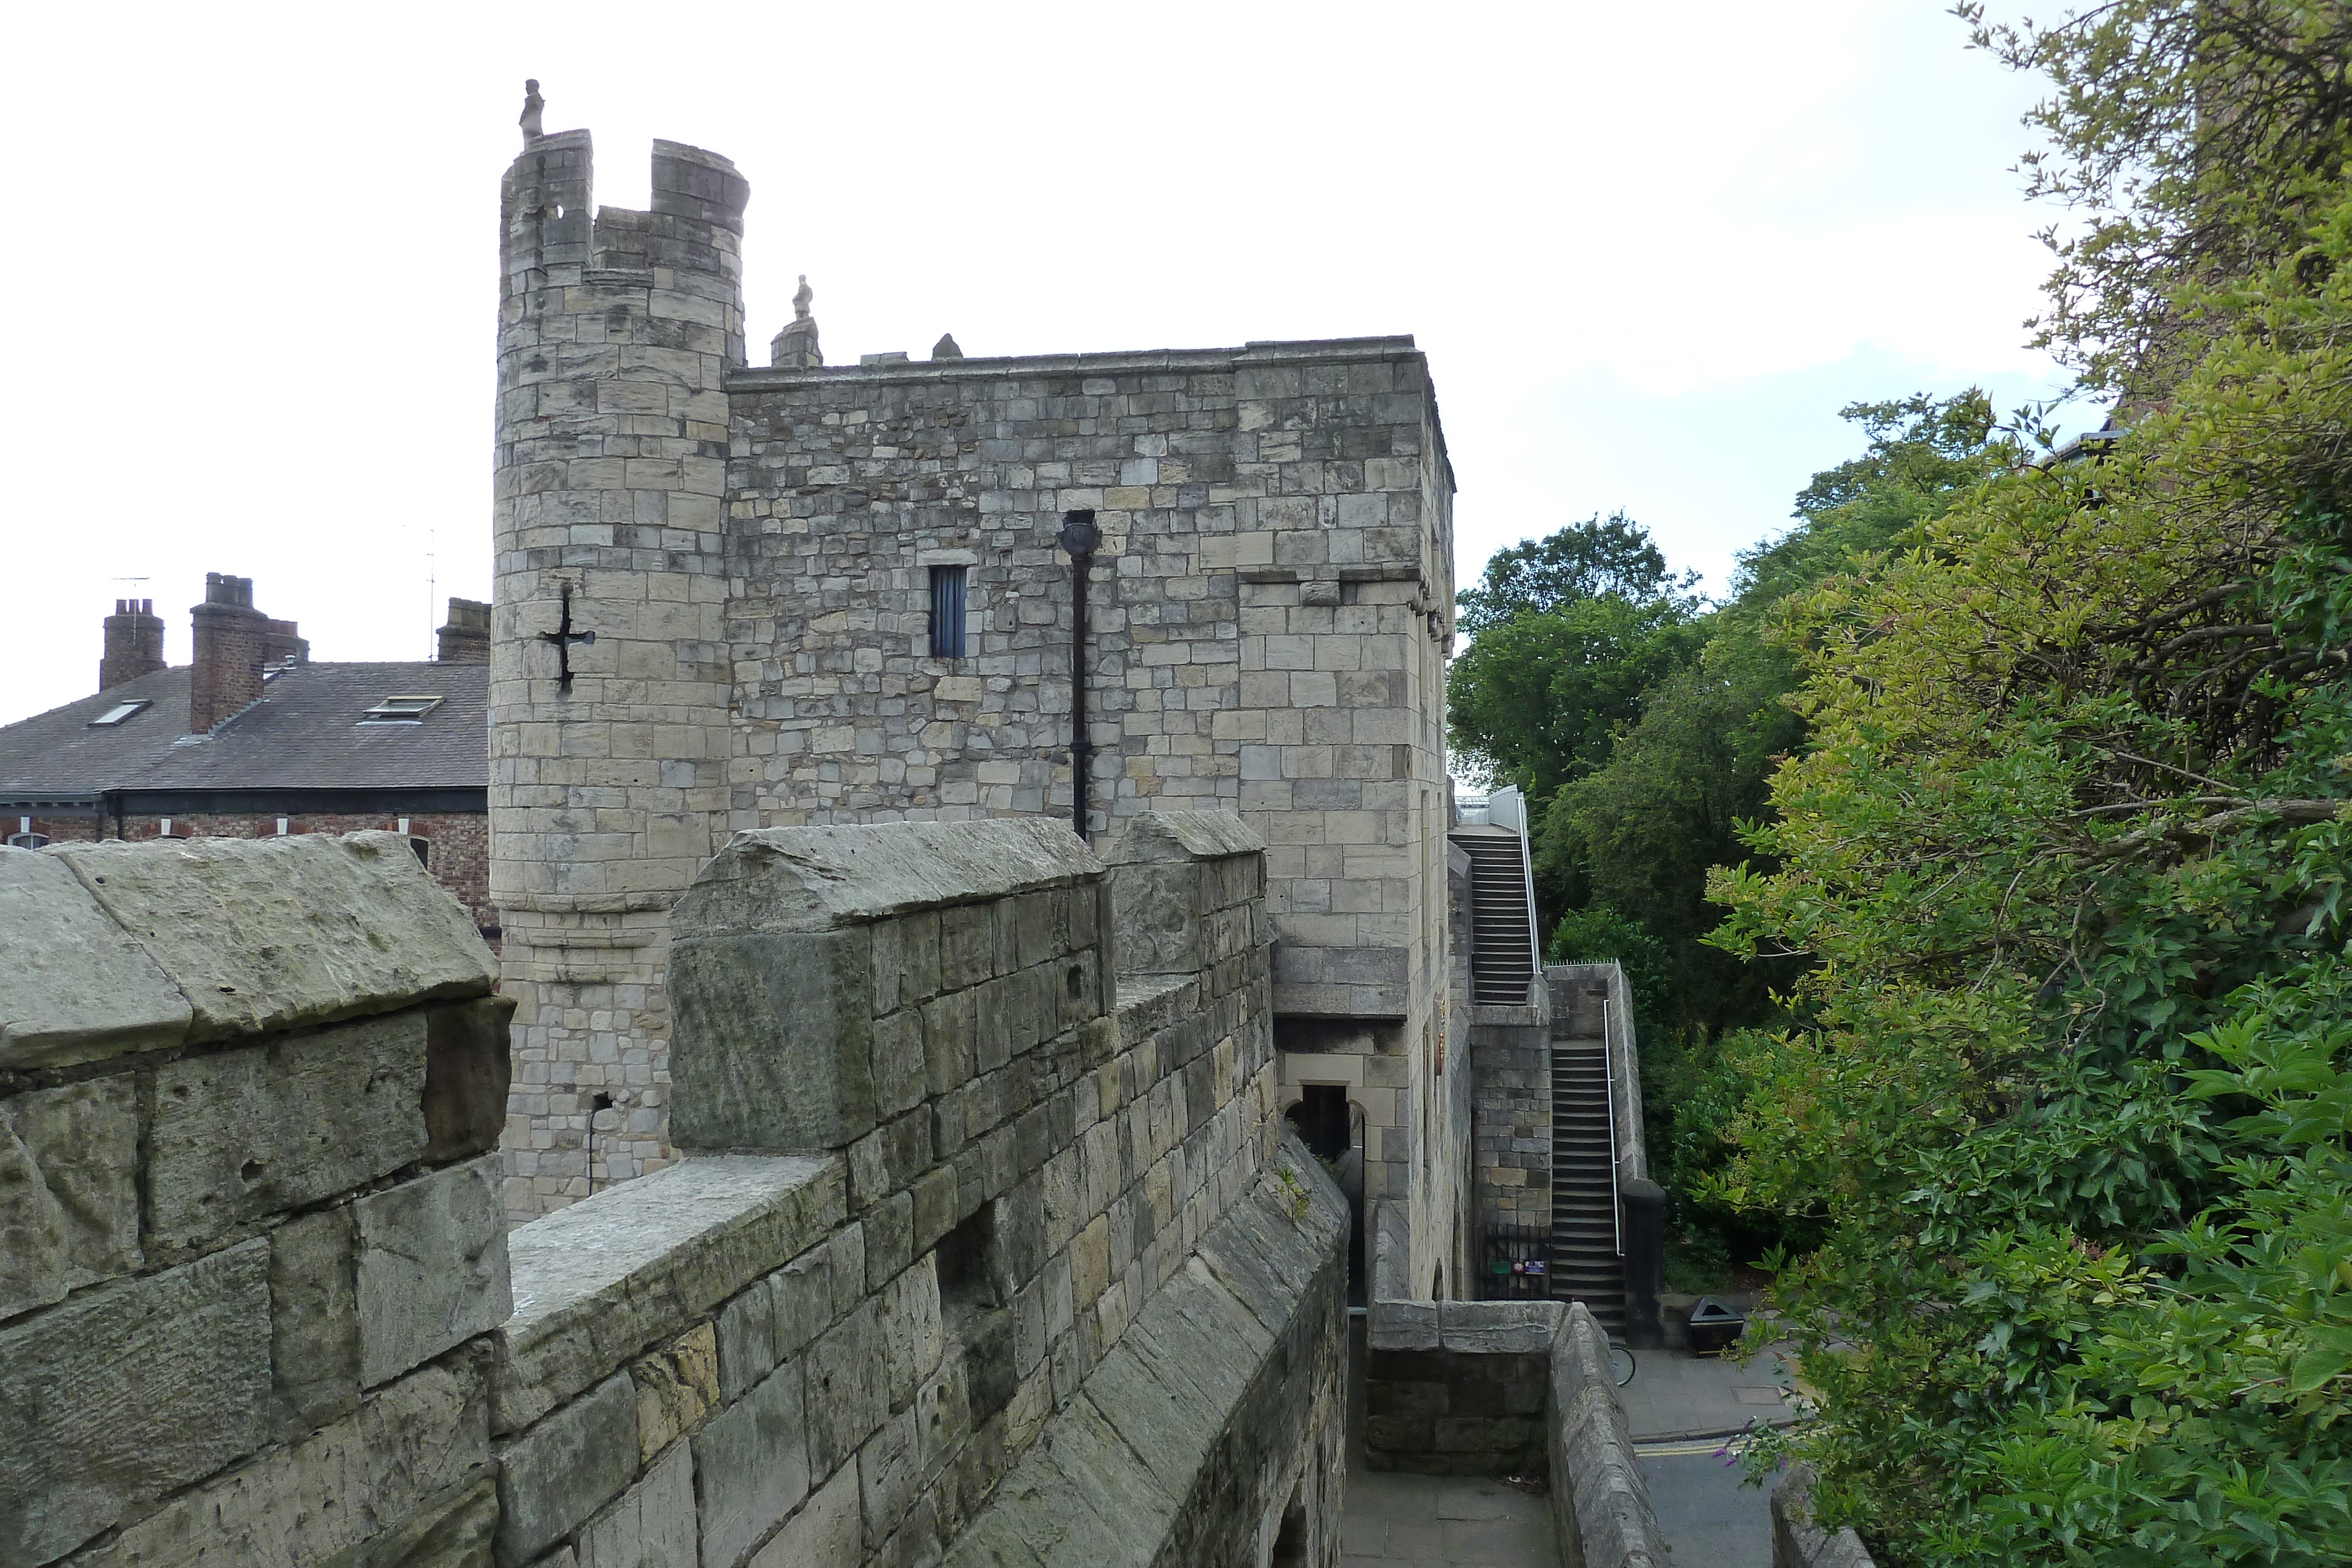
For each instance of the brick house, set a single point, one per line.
(253, 740)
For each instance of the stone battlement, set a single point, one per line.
(1008, 1256)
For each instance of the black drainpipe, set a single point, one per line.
(1081, 539)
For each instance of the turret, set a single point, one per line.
(609, 678)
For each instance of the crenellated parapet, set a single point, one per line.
(1000, 1250)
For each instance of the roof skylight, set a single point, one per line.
(119, 712)
(401, 710)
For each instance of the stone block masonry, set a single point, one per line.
(1011, 1260)
(249, 1092)
(756, 551)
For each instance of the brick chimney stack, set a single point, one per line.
(283, 643)
(233, 642)
(466, 639)
(134, 643)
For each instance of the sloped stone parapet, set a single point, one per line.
(280, 1322)
(1798, 1542)
(1223, 1374)
(248, 1231)
(1599, 1501)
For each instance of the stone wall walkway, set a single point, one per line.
(1420, 1521)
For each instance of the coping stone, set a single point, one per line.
(220, 917)
(598, 1282)
(77, 986)
(817, 879)
(1194, 835)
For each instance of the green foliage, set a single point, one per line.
(2066, 1082)
(1598, 558)
(1538, 694)
(1641, 831)
(2194, 140)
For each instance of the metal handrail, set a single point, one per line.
(1608, 1098)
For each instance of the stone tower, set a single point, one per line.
(609, 678)
(833, 594)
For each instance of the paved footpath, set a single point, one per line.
(1684, 1410)
(1421, 1521)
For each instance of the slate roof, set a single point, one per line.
(303, 733)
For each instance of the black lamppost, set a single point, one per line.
(1081, 538)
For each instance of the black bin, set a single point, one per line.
(1714, 1327)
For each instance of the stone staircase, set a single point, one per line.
(1502, 964)
(1585, 1265)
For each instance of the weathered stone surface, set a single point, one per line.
(597, 1283)
(815, 878)
(96, 1397)
(676, 1385)
(218, 915)
(566, 1468)
(751, 1460)
(652, 1526)
(771, 1045)
(68, 1190)
(826, 1533)
(1499, 1328)
(248, 1132)
(1154, 1457)
(453, 1529)
(467, 1063)
(1798, 1542)
(315, 1317)
(418, 1446)
(77, 986)
(1597, 1496)
(849, 1388)
(432, 1266)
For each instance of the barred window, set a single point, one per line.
(946, 612)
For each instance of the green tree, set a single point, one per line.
(1596, 557)
(2195, 141)
(1571, 630)
(1639, 834)
(2066, 1084)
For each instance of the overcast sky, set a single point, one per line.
(1650, 250)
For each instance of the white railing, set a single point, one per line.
(1608, 1011)
(1507, 808)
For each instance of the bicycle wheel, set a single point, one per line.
(1621, 1364)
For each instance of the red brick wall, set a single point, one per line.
(459, 855)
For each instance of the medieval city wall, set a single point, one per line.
(1269, 616)
(987, 1245)
(752, 550)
